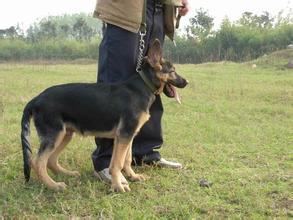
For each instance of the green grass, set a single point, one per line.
(234, 128)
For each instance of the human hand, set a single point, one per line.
(185, 8)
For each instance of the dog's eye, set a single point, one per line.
(173, 69)
(172, 75)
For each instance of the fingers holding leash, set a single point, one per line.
(185, 8)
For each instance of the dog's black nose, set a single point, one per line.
(186, 83)
(183, 83)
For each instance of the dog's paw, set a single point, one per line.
(60, 186)
(137, 178)
(74, 173)
(121, 188)
(126, 187)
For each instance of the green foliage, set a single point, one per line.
(80, 27)
(251, 20)
(48, 49)
(248, 38)
(55, 37)
(78, 36)
(200, 25)
(11, 32)
(231, 42)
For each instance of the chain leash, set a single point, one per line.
(141, 50)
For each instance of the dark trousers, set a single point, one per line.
(118, 53)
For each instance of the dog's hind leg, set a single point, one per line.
(53, 163)
(48, 145)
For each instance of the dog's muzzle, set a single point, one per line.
(170, 88)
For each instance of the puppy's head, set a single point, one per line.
(165, 71)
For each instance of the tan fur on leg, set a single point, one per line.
(144, 117)
(128, 169)
(41, 166)
(117, 162)
(53, 163)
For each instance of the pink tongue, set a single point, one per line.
(177, 96)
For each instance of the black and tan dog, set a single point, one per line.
(109, 111)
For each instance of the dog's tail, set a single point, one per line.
(25, 133)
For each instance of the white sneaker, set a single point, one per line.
(168, 164)
(105, 176)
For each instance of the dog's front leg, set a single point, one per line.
(144, 117)
(117, 161)
(128, 169)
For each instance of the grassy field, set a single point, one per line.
(234, 128)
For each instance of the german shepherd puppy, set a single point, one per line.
(115, 111)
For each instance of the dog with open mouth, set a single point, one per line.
(116, 111)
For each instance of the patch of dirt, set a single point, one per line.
(285, 203)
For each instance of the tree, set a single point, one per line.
(265, 20)
(48, 28)
(284, 19)
(65, 30)
(200, 25)
(12, 32)
(251, 20)
(76, 26)
(82, 30)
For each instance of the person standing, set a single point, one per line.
(118, 54)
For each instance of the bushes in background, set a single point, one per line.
(18, 49)
(71, 37)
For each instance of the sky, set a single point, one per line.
(25, 12)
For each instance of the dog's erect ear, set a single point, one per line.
(155, 55)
